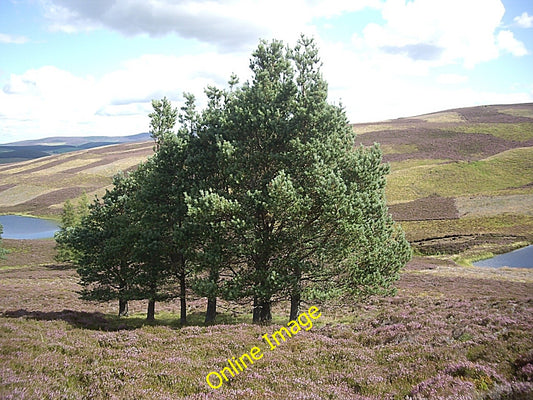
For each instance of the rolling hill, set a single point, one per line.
(460, 179)
(31, 149)
(41, 186)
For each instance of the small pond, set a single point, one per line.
(17, 227)
(521, 258)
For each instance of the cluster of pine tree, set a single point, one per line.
(261, 196)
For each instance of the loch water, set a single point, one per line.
(18, 227)
(521, 258)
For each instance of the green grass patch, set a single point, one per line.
(517, 111)
(399, 148)
(511, 168)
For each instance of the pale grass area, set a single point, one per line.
(406, 164)
(114, 167)
(494, 205)
(80, 161)
(361, 129)
(517, 112)
(21, 194)
(133, 149)
(520, 132)
(441, 117)
(520, 275)
(14, 168)
(399, 149)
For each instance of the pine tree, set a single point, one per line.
(310, 206)
(160, 209)
(69, 220)
(3, 251)
(104, 241)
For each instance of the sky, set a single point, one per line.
(92, 67)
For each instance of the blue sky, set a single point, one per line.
(78, 67)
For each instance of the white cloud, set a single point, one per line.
(228, 24)
(392, 69)
(524, 20)
(451, 79)
(507, 42)
(11, 39)
(50, 101)
(443, 32)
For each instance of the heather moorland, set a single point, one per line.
(461, 188)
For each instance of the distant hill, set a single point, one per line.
(31, 149)
(41, 186)
(459, 178)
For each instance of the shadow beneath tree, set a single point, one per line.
(106, 322)
(78, 319)
(60, 267)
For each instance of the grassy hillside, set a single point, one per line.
(460, 173)
(40, 187)
(466, 172)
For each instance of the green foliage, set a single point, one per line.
(162, 120)
(262, 196)
(71, 217)
(103, 242)
(310, 207)
(3, 251)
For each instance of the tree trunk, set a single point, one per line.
(122, 308)
(211, 311)
(266, 315)
(262, 313)
(183, 300)
(296, 294)
(255, 311)
(295, 305)
(150, 315)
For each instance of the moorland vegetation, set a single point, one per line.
(449, 332)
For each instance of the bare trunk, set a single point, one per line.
(262, 312)
(296, 294)
(255, 311)
(211, 311)
(183, 299)
(150, 315)
(122, 308)
(295, 305)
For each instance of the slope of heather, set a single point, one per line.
(40, 187)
